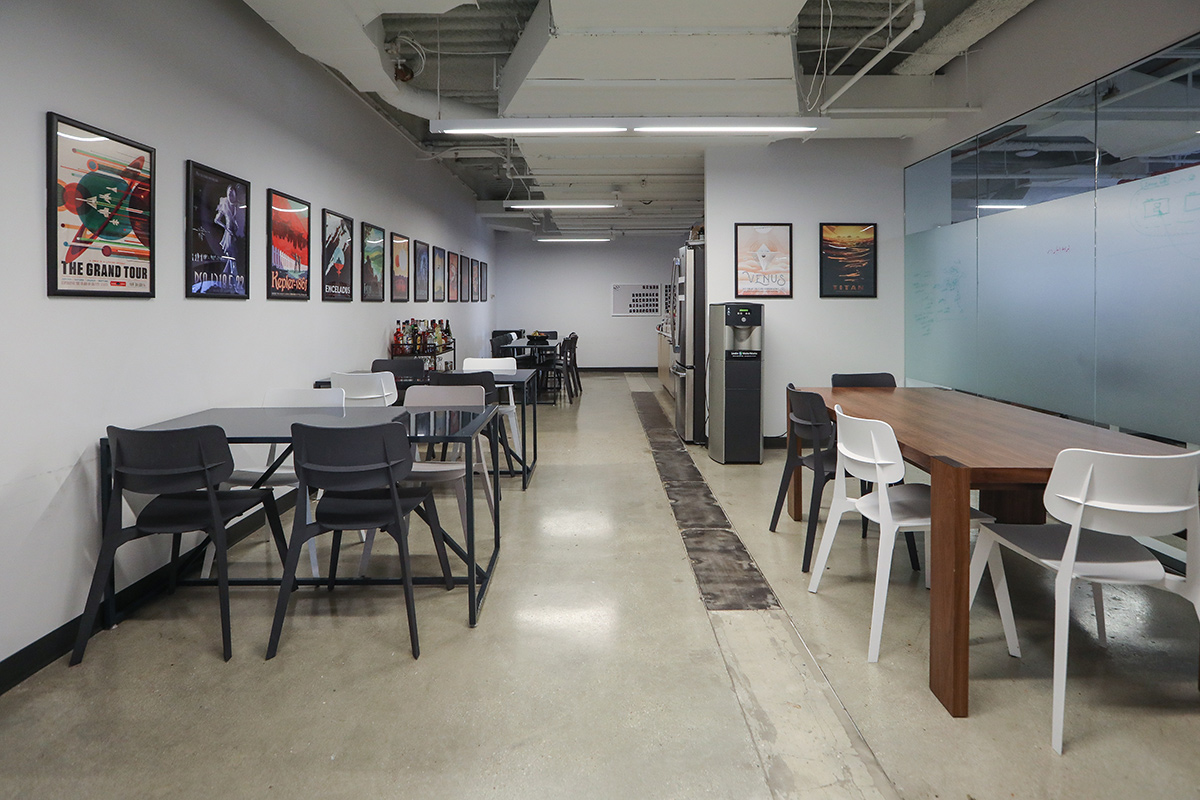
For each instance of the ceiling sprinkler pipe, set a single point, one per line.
(917, 21)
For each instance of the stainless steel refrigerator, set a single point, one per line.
(690, 350)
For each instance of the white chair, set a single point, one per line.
(366, 388)
(867, 450)
(507, 407)
(1102, 500)
(437, 472)
(285, 476)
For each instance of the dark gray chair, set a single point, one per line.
(359, 471)
(809, 422)
(184, 469)
(490, 394)
(408, 371)
(884, 380)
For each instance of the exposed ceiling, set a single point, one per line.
(860, 68)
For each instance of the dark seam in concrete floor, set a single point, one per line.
(727, 576)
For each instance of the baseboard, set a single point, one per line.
(775, 442)
(54, 645)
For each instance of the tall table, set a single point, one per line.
(458, 425)
(966, 442)
(524, 386)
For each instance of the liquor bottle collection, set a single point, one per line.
(421, 337)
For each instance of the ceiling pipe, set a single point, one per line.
(917, 21)
(869, 34)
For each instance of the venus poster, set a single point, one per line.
(764, 260)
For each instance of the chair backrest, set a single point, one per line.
(498, 343)
(489, 364)
(427, 396)
(848, 379)
(1125, 494)
(484, 379)
(366, 388)
(351, 459)
(170, 461)
(868, 449)
(287, 397)
(400, 367)
(809, 418)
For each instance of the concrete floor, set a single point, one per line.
(595, 670)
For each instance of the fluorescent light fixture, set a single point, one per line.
(567, 126)
(725, 129)
(998, 205)
(526, 205)
(573, 239)
(525, 127)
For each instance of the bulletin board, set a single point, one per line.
(637, 300)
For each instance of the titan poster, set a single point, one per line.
(337, 256)
(218, 242)
(420, 272)
(474, 280)
(439, 274)
(847, 259)
(100, 212)
(372, 266)
(287, 247)
(452, 277)
(399, 268)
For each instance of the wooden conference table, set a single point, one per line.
(253, 425)
(967, 442)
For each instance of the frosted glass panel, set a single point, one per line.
(1148, 304)
(939, 301)
(1036, 305)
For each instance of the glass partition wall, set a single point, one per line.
(1054, 261)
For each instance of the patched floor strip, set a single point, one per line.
(728, 578)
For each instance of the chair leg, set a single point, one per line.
(271, 509)
(1062, 629)
(927, 541)
(222, 558)
(401, 538)
(91, 607)
(333, 559)
(1098, 602)
(428, 512)
(814, 510)
(295, 549)
(365, 559)
(788, 469)
(864, 489)
(176, 543)
(911, 540)
(1003, 601)
(836, 511)
(883, 572)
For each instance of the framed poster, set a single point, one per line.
(483, 295)
(452, 277)
(217, 262)
(372, 264)
(337, 256)
(764, 260)
(420, 272)
(847, 259)
(474, 281)
(439, 274)
(464, 278)
(287, 247)
(399, 268)
(99, 212)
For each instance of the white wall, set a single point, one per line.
(1050, 48)
(807, 338)
(568, 287)
(206, 80)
